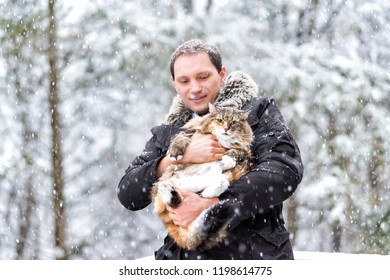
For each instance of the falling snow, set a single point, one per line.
(326, 67)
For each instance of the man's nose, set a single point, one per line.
(196, 87)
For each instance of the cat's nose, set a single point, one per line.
(226, 128)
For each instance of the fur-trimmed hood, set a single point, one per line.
(238, 89)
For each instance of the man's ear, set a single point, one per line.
(222, 74)
(174, 85)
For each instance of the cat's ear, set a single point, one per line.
(212, 108)
(245, 114)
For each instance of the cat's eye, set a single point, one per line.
(220, 120)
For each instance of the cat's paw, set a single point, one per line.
(168, 194)
(175, 153)
(172, 158)
(165, 189)
(227, 162)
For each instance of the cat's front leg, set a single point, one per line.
(236, 154)
(168, 194)
(178, 146)
(227, 162)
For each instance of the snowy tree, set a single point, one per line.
(59, 205)
(23, 172)
(326, 63)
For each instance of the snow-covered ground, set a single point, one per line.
(305, 255)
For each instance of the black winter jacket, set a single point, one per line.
(257, 230)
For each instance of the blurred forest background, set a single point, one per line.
(82, 82)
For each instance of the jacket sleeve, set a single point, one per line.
(134, 188)
(277, 170)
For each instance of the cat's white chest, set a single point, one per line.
(206, 178)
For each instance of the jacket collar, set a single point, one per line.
(238, 89)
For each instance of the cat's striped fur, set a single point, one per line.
(209, 179)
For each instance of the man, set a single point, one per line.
(257, 230)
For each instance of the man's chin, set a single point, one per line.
(200, 108)
(201, 111)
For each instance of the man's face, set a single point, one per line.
(197, 81)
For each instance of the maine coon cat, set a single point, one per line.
(209, 179)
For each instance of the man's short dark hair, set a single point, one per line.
(197, 46)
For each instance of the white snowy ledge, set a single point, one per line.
(304, 255)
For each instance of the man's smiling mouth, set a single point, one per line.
(198, 98)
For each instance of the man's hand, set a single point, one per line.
(190, 208)
(202, 148)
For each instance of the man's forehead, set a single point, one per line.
(193, 55)
(190, 63)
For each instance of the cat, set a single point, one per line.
(209, 179)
